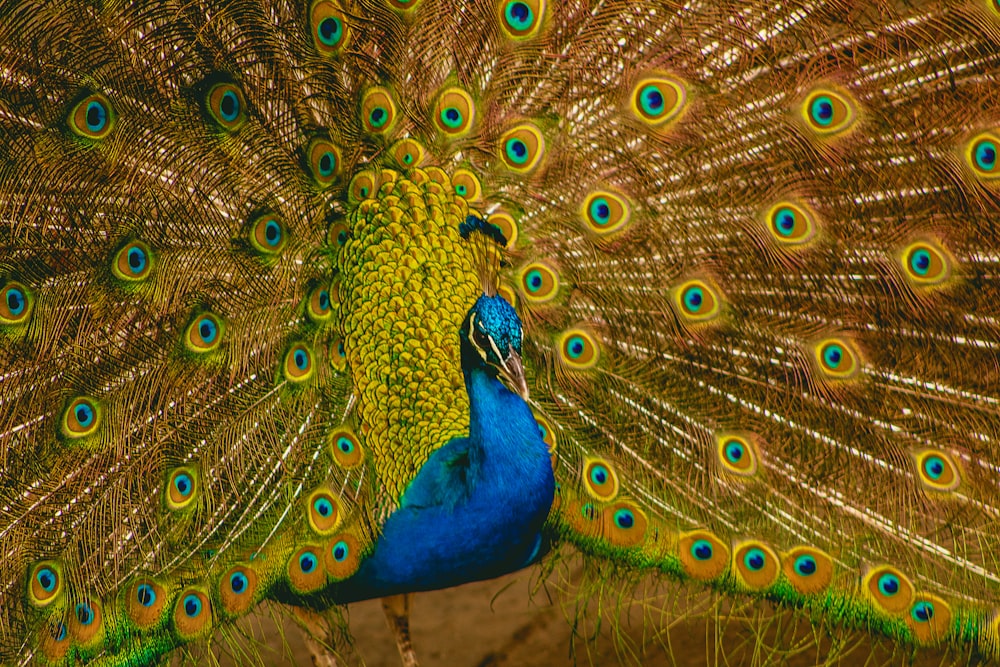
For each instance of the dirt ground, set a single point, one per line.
(500, 624)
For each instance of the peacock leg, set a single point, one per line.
(317, 636)
(397, 615)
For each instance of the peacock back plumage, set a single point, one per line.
(753, 254)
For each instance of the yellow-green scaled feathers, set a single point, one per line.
(406, 279)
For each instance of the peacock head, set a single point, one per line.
(491, 338)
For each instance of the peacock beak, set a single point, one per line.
(512, 371)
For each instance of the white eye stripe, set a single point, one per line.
(472, 338)
(496, 350)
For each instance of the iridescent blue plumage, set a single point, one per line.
(476, 508)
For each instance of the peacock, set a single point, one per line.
(306, 302)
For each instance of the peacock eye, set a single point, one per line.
(93, 117)
(481, 339)
(522, 148)
(329, 28)
(226, 106)
(454, 112)
(324, 162)
(378, 111)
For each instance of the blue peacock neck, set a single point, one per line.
(476, 508)
(506, 437)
